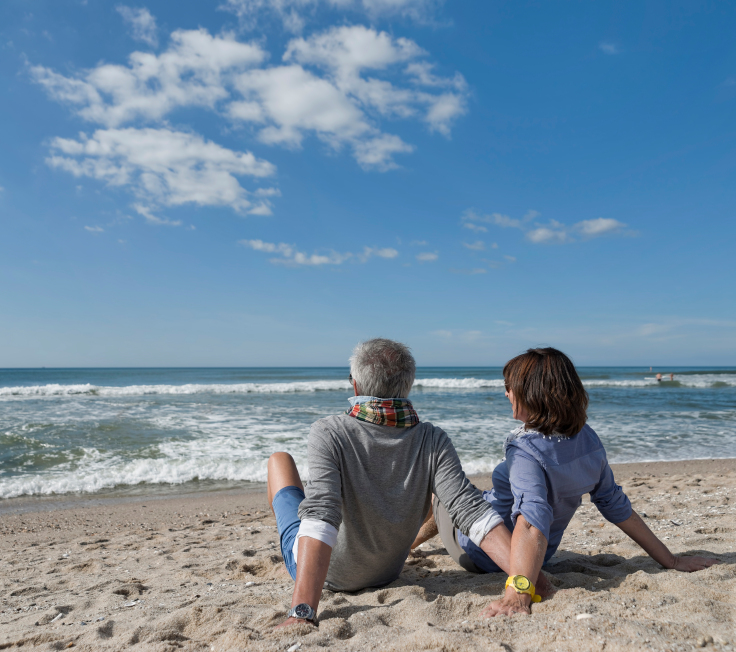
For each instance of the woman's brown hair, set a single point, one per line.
(544, 382)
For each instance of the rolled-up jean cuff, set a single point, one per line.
(286, 508)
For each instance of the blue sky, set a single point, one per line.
(267, 182)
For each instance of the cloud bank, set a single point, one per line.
(331, 85)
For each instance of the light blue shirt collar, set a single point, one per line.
(357, 400)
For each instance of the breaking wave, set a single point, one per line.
(693, 380)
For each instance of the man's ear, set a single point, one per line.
(355, 387)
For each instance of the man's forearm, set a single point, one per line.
(313, 560)
(497, 545)
(637, 529)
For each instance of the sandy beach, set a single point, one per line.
(204, 572)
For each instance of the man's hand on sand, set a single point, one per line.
(692, 564)
(511, 603)
(295, 621)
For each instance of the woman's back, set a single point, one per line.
(544, 478)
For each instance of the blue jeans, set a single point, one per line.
(286, 506)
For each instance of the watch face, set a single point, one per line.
(521, 582)
(302, 611)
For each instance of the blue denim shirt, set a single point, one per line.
(544, 478)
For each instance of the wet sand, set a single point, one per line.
(204, 572)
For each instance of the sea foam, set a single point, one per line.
(689, 380)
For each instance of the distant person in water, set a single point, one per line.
(372, 473)
(552, 460)
(672, 376)
(659, 378)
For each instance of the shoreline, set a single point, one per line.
(46, 503)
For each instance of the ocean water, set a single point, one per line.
(66, 431)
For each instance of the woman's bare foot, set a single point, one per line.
(544, 587)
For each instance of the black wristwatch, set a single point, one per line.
(303, 611)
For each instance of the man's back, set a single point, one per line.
(374, 483)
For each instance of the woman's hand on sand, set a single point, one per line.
(692, 564)
(511, 603)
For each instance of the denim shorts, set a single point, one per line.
(286, 506)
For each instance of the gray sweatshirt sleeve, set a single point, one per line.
(463, 501)
(323, 500)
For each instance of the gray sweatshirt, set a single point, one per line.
(374, 484)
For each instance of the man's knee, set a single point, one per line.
(279, 459)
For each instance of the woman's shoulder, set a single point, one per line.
(554, 448)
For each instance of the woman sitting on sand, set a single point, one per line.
(551, 461)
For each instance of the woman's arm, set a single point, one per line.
(637, 529)
(528, 546)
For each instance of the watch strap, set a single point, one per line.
(311, 614)
(529, 591)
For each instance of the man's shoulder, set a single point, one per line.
(329, 424)
(341, 422)
(333, 420)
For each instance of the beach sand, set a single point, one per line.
(204, 572)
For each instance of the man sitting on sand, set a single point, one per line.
(372, 473)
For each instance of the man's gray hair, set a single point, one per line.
(383, 368)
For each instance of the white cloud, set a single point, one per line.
(427, 257)
(422, 73)
(289, 100)
(142, 24)
(386, 252)
(378, 152)
(328, 86)
(345, 53)
(289, 255)
(147, 213)
(294, 14)
(267, 192)
(418, 243)
(478, 245)
(470, 217)
(608, 48)
(599, 226)
(547, 235)
(553, 232)
(193, 71)
(94, 229)
(163, 167)
(348, 50)
(475, 227)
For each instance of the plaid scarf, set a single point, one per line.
(397, 412)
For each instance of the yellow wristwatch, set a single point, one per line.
(522, 584)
